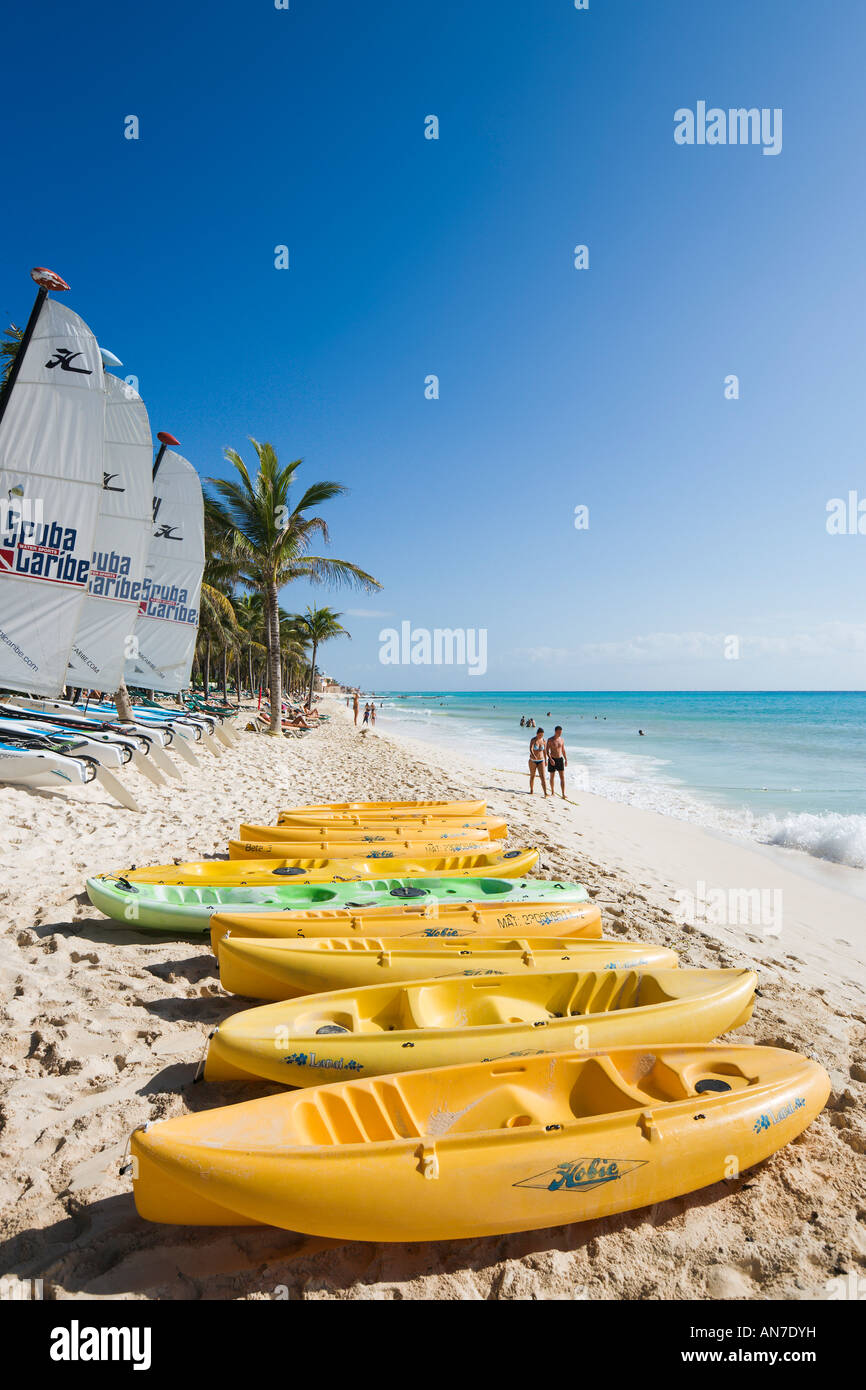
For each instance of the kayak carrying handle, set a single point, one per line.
(200, 1068)
(123, 882)
(428, 1160)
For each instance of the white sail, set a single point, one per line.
(166, 629)
(120, 550)
(51, 443)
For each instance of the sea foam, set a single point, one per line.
(840, 839)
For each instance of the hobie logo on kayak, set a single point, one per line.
(582, 1174)
(444, 646)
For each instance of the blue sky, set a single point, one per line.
(408, 257)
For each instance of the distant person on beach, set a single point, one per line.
(640, 731)
(366, 719)
(372, 714)
(522, 721)
(536, 760)
(355, 705)
(556, 759)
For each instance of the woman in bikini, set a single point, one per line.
(536, 760)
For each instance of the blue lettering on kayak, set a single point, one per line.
(765, 1121)
(510, 920)
(582, 1173)
(309, 1059)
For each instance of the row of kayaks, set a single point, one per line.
(471, 1055)
(56, 744)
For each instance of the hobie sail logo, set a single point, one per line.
(582, 1174)
(41, 550)
(64, 358)
(165, 531)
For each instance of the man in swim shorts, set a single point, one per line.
(556, 759)
(536, 760)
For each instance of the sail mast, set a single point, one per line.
(46, 280)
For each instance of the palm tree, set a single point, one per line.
(250, 614)
(9, 345)
(294, 643)
(218, 623)
(322, 624)
(270, 539)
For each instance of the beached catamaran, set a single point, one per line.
(90, 581)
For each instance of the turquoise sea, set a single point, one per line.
(782, 768)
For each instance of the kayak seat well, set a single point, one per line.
(605, 991)
(361, 1115)
(320, 1021)
(485, 1003)
(666, 1080)
(600, 1088)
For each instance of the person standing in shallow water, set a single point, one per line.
(536, 760)
(556, 759)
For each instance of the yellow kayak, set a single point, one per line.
(238, 873)
(425, 825)
(346, 849)
(331, 832)
(438, 922)
(386, 810)
(437, 1023)
(479, 1150)
(283, 967)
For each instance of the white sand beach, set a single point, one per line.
(102, 1030)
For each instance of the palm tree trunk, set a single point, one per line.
(274, 672)
(207, 671)
(312, 671)
(123, 704)
(225, 675)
